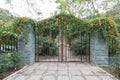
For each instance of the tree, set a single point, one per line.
(83, 8)
(114, 12)
(5, 16)
(29, 5)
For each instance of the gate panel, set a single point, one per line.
(57, 48)
(46, 45)
(78, 50)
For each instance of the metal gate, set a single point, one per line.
(78, 50)
(57, 49)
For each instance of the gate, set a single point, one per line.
(46, 44)
(53, 46)
(79, 49)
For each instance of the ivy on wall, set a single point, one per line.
(22, 27)
(68, 24)
(106, 26)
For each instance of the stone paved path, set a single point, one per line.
(61, 71)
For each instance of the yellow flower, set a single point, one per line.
(91, 24)
(46, 21)
(1, 23)
(99, 22)
(110, 35)
(117, 34)
(0, 39)
(105, 16)
(65, 23)
(9, 54)
(23, 17)
(108, 27)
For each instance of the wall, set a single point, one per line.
(98, 50)
(27, 49)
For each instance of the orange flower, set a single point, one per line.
(117, 34)
(114, 25)
(46, 21)
(105, 16)
(0, 39)
(1, 23)
(99, 22)
(111, 33)
(111, 36)
(65, 23)
(24, 17)
(91, 24)
(108, 27)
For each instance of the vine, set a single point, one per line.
(106, 26)
(22, 25)
(68, 24)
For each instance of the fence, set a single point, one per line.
(8, 44)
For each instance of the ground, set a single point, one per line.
(111, 70)
(61, 71)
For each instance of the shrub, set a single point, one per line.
(9, 60)
(48, 47)
(115, 62)
(14, 59)
(3, 63)
(77, 46)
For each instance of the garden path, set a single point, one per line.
(61, 71)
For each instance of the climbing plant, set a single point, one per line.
(106, 26)
(22, 26)
(67, 24)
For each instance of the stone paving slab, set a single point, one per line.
(61, 71)
(34, 77)
(77, 78)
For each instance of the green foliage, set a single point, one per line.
(79, 45)
(21, 27)
(115, 62)
(106, 27)
(9, 60)
(115, 13)
(45, 31)
(5, 17)
(7, 30)
(3, 63)
(14, 59)
(68, 24)
(48, 47)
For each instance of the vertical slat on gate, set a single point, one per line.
(89, 47)
(0, 44)
(61, 46)
(3, 44)
(11, 43)
(16, 44)
(35, 42)
(85, 47)
(38, 44)
(114, 49)
(81, 45)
